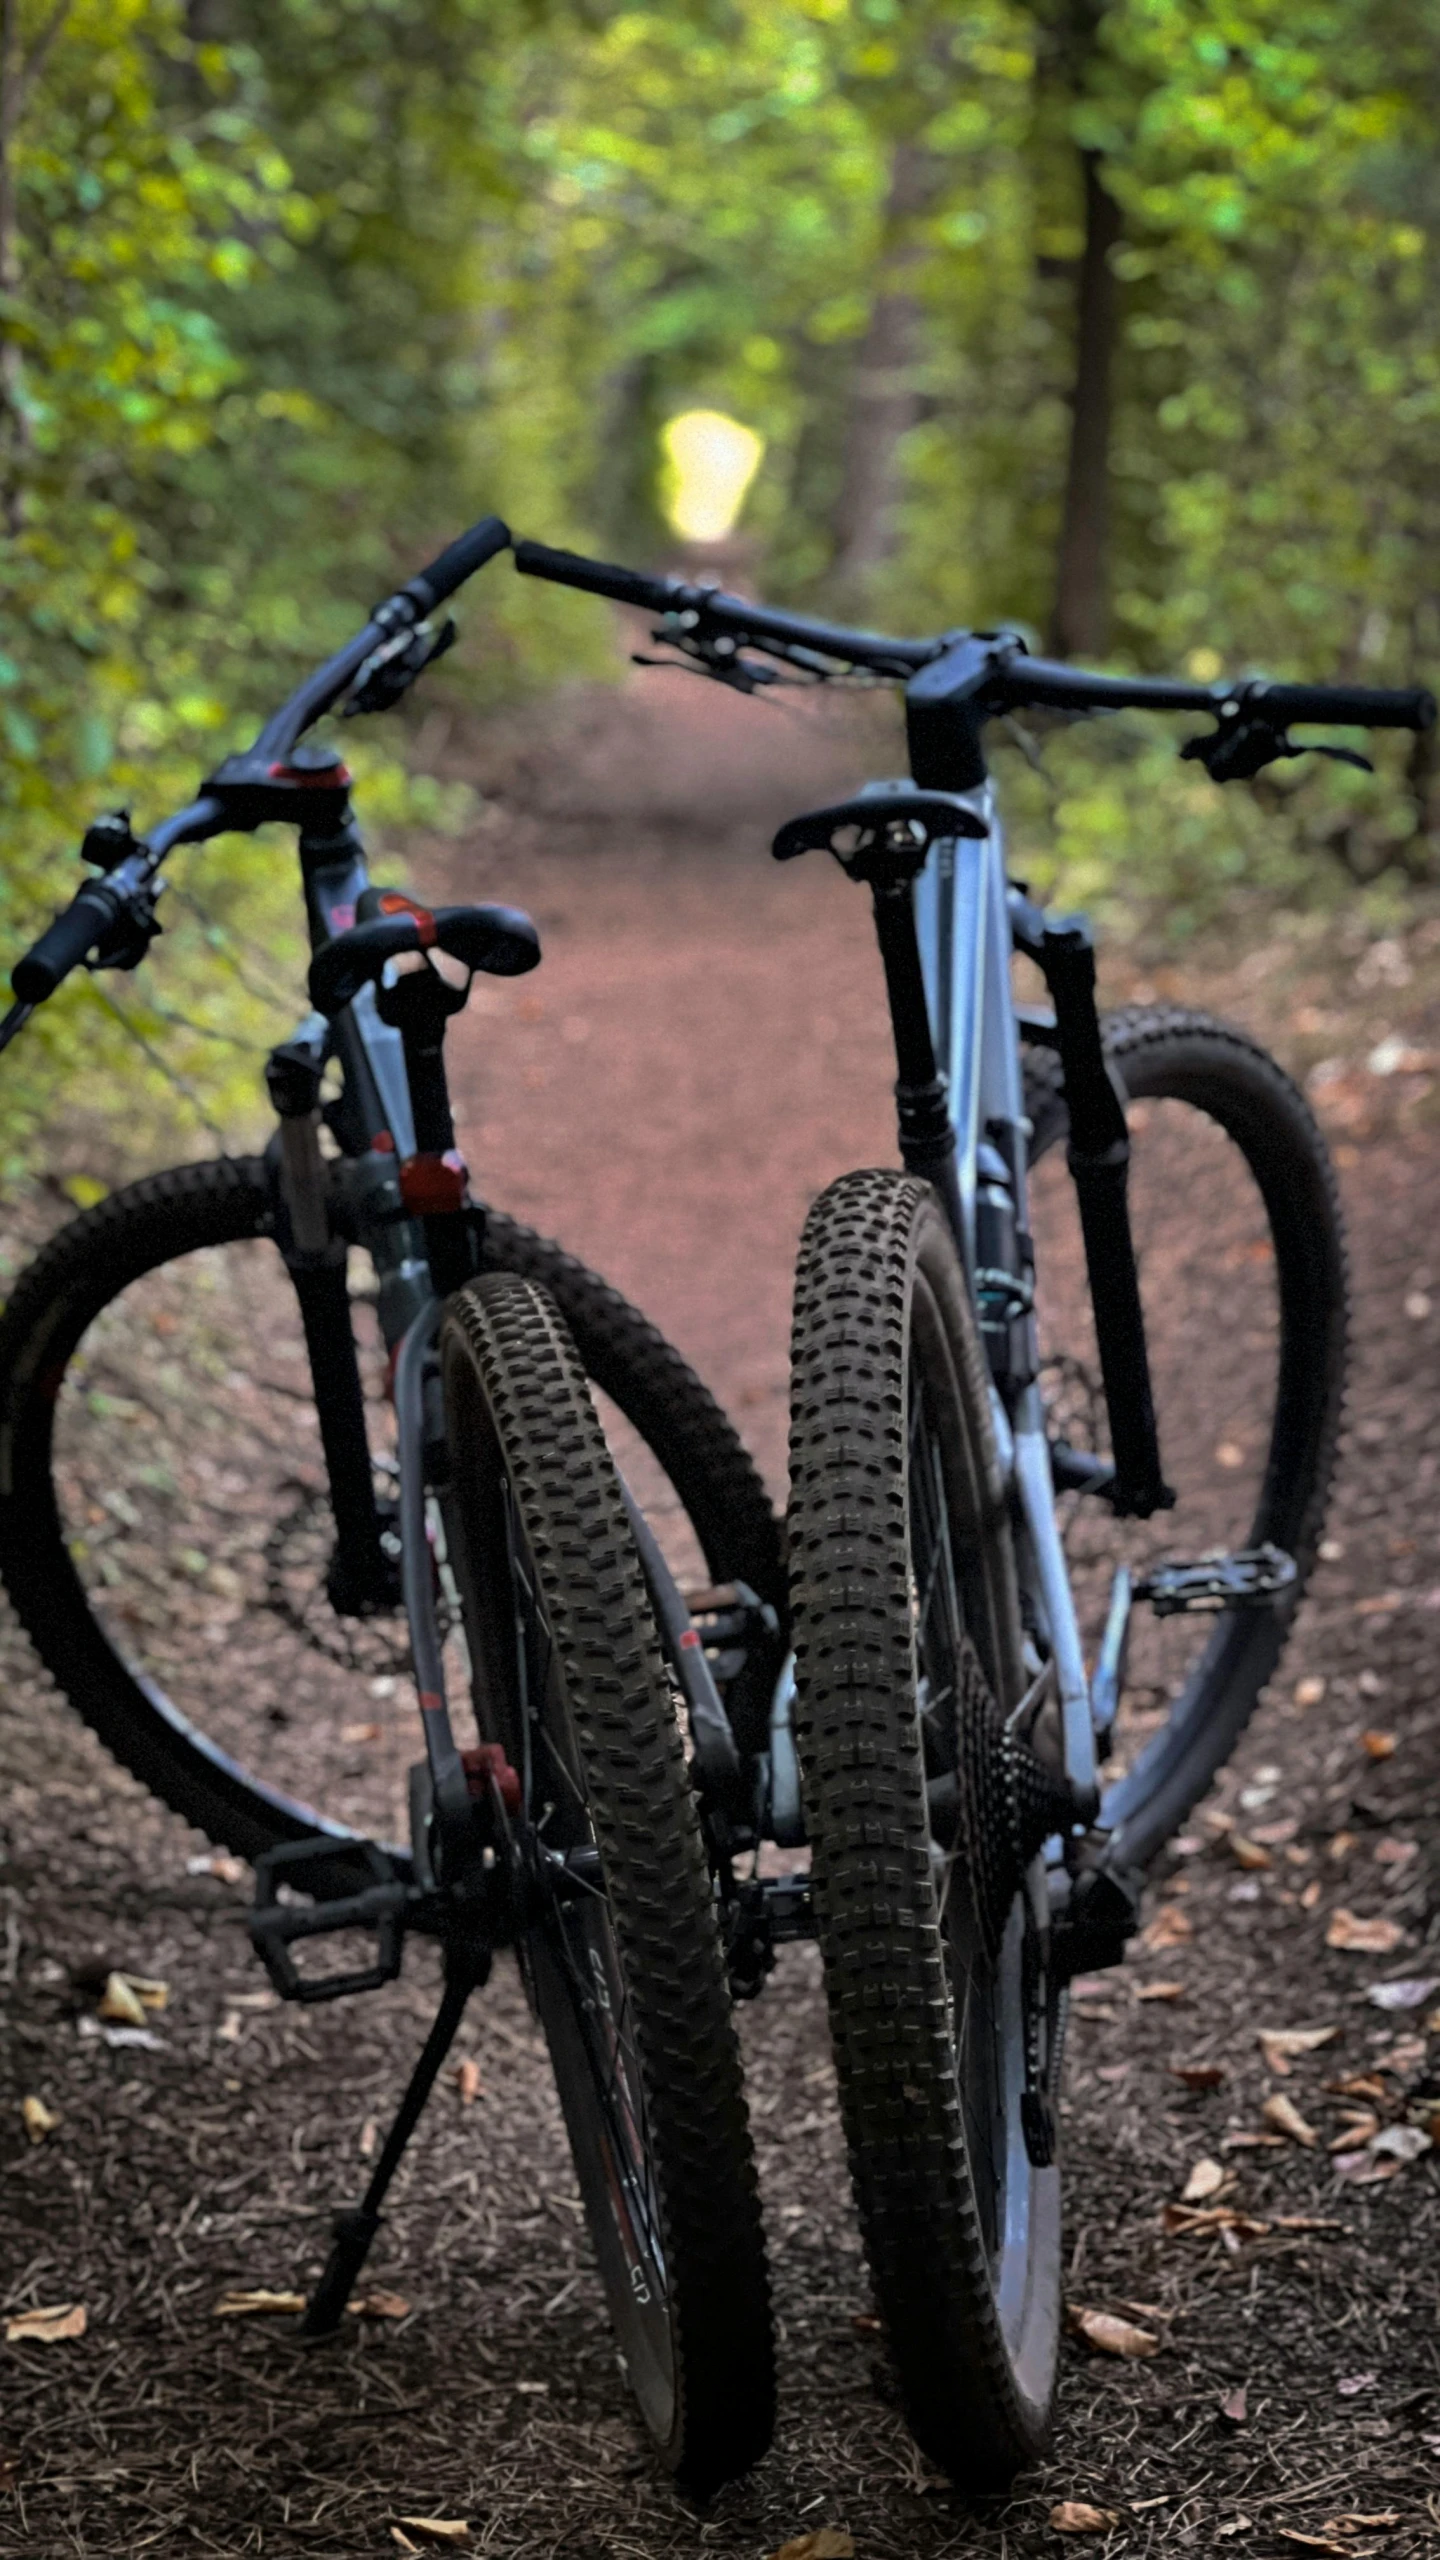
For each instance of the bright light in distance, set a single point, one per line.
(711, 461)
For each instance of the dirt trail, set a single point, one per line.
(703, 1049)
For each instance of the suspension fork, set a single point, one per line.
(1099, 1160)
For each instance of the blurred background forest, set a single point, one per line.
(1113, 317)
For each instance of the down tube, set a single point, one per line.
(963, 925)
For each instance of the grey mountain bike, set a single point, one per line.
(287, 1439)
(1025, 1639)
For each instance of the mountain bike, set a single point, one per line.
(1055, 1495)
(281, 1434)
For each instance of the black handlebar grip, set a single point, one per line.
(457, 562)
(596, 577)
(65, 943)
(1353, 705)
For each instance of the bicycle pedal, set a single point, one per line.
(1249, 1579)
(276, 1926)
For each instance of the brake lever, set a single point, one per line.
(391, 669)
(738, 673)
(1242, 747)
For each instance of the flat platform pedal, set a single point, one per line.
(1251, 1578)
(276, 1926)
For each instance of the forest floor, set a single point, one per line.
(702, 1050)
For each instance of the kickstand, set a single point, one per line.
(355, 2230)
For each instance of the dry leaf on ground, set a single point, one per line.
(1285, 2116)
(1377, 1746)
(830, 2542)
(48, 2322)
(1233, 2407)
(1199, 2075)
(380, 2305)
(438, 2528)
(120, 2003)
(1359, 1937)
(1248, 1853)
(1279, 2045)
(240, 2305)
(221, 1865)
(1313, 2541)
(1073, 2516)
(1356, 2134)
(1206, 2179)
(1360, 2523)
(1159, 1990)
(466, 2076)
(1171, 1927)
(362, 1732)
(38, 2119)
(1177, 2218)
(1109, 2335)
(1410, 1994)
(1309, 1691)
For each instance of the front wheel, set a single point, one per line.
(620, 1947)
(909, 1650)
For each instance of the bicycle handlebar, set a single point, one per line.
(1011, 678)
(723, 612)
(115, 911)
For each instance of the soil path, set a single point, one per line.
(703, 1049)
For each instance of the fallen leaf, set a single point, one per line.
(1181, 2218)
(866, 2323)
(1340, 1844)
(47, 2323)
(1109, 2335)
(1394, 1853)
(1359, 1937)
(1276, 1835)
(1248, 1853)
(222, 1866)
(1233, 2406)
(1378, 1603)
(1071, 2516)
(135, 2039)
(1355, 2136)
(1171, 1927)
(831, 2542)
(1251, 2142)
(380, 2306)
(1285, 2116)
(1405, 2055)
(1404, 2142)
(1406, 1994)
(1280, 2045)
(1307, 2222)
(1311, 1894)
(1205, 2179)
(1352, 2383)
(1312, 2541)
(38, 2118)
(402, 2540)
(466, 2076)
(120, 2003)
(1199, 2075)
(1377, 1746)
(1159, 1990)
(1309, 1691)
(439, 2528)
(1360, 2524)
(361, 1732)
(1364, 2085)
(240, 2305)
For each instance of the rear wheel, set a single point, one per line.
(165, 1526)
(621, 1953)
(930, 1906)
(1241, 1256)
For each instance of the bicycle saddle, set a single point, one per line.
(500, 941)
(885, 831)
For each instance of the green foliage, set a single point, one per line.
(291, 288)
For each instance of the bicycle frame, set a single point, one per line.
(962, 906)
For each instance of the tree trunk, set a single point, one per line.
(17, 79)
(1081, 623)
(884, 397)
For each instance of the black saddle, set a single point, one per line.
(501, 942)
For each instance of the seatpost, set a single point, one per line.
(434, 1184)
(927, 1137)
